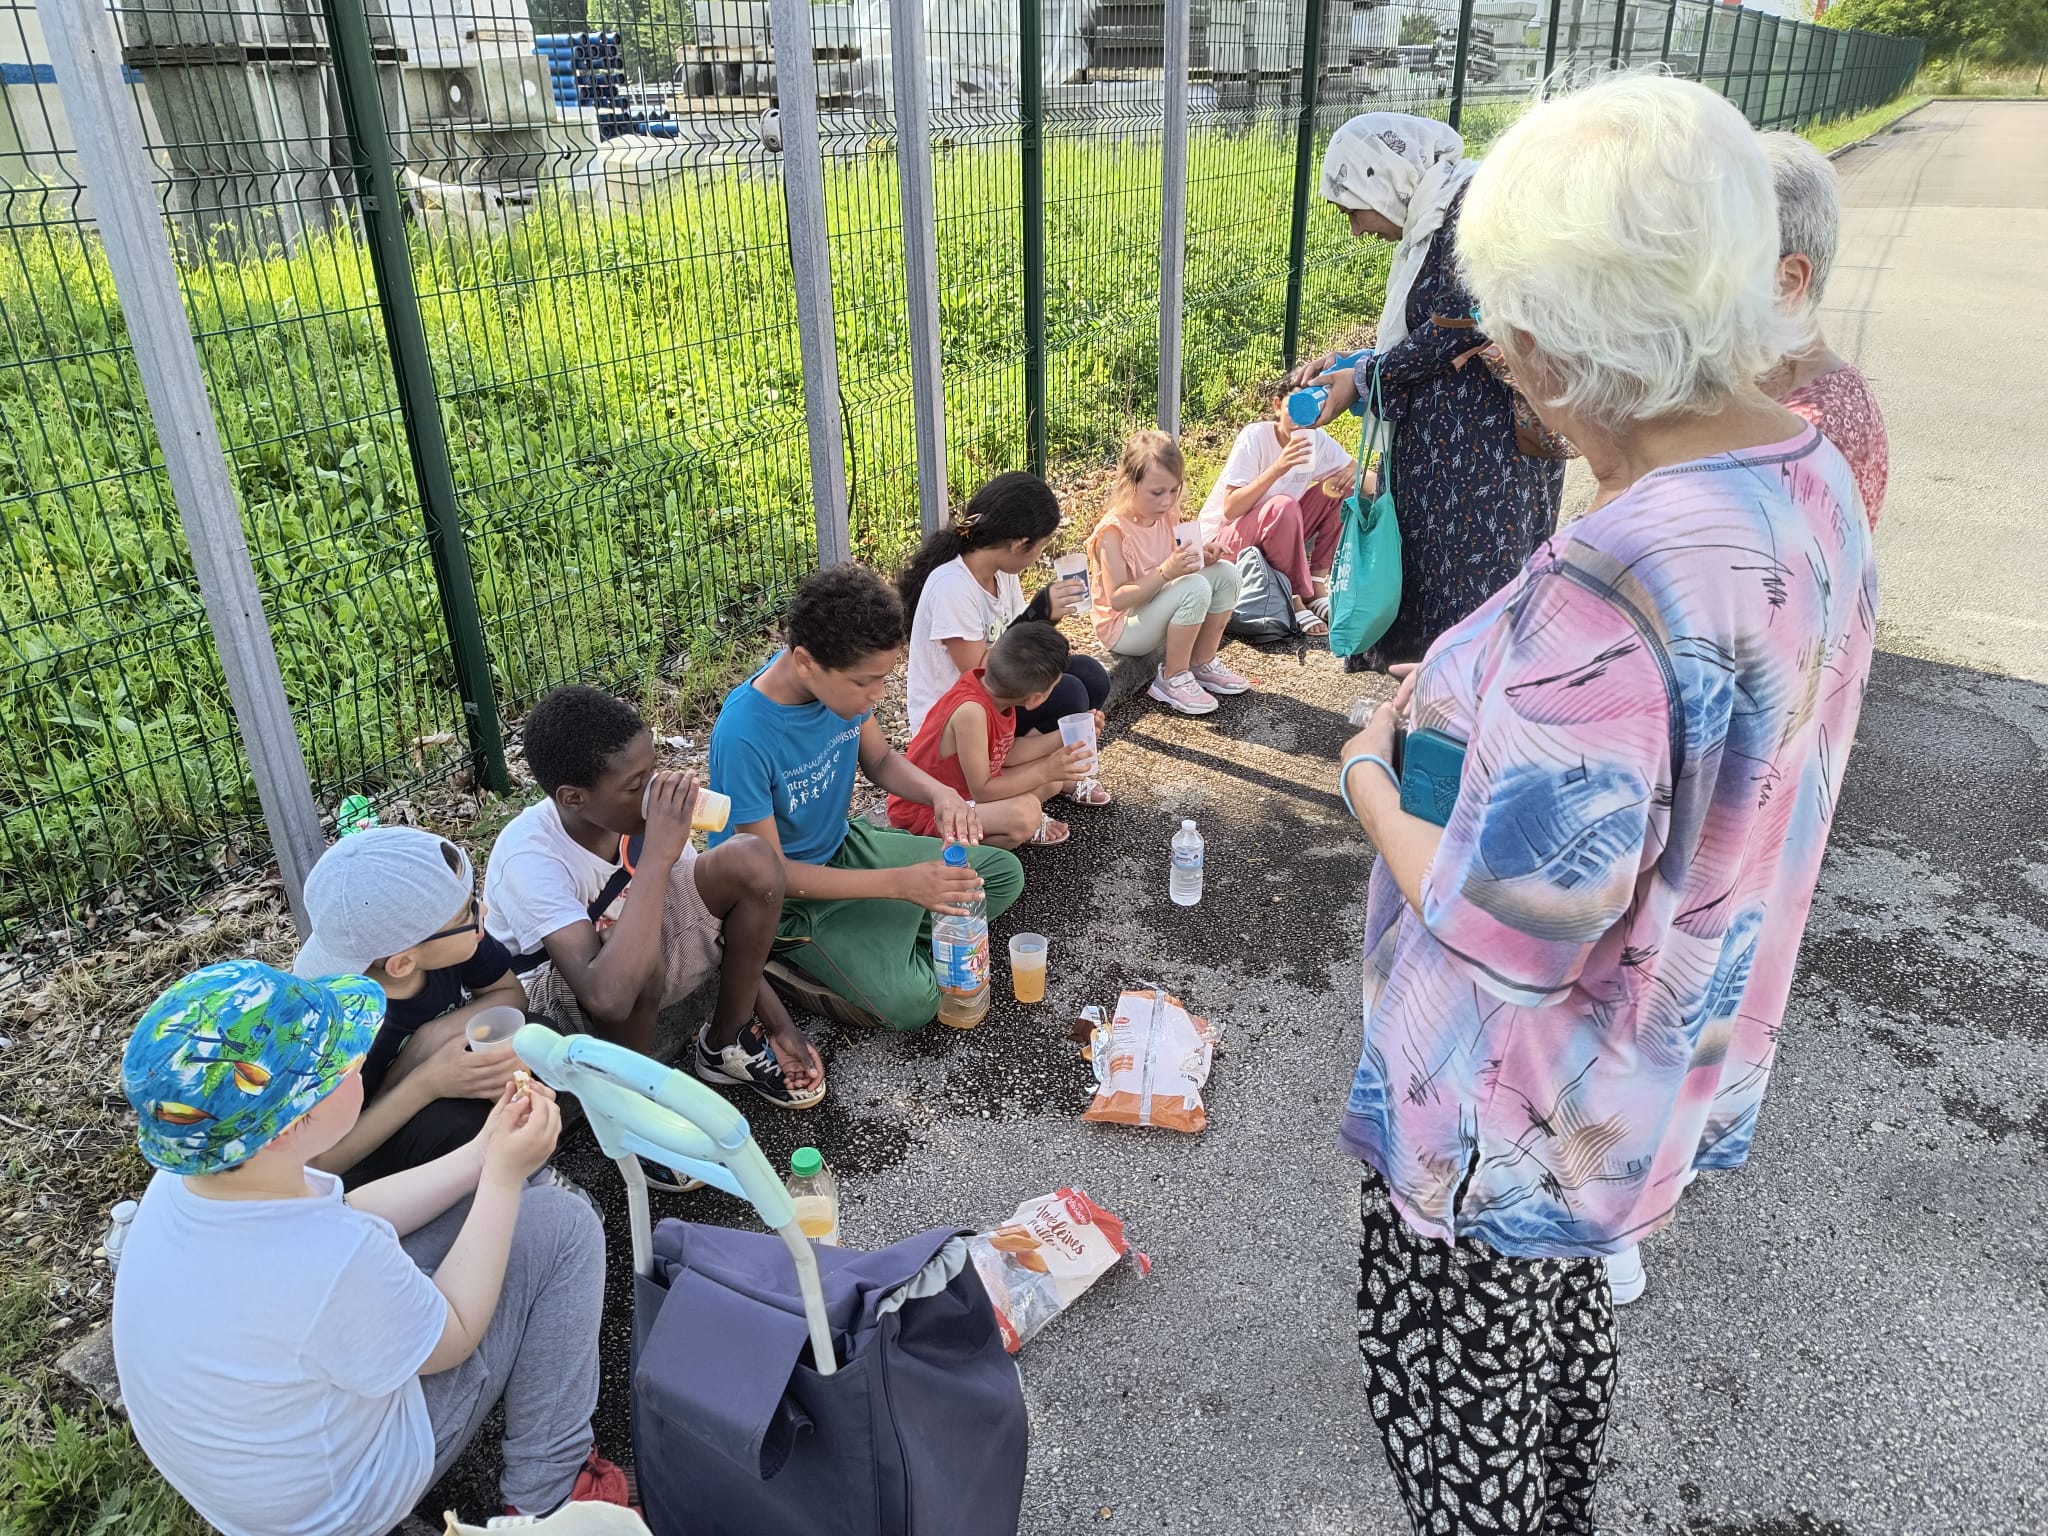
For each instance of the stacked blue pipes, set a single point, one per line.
(588, 69)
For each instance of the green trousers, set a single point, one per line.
(878, 953)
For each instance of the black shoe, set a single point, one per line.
(749, 1063)
(667, 1181)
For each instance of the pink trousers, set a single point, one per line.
(1285, 530)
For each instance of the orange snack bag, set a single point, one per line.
(1151, 1061)
(1049, 1252)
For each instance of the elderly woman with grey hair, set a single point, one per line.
(1642, 739)
(1472, 505)
(1832, 394)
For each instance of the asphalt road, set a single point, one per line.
(1847, 1337)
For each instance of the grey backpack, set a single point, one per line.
(1265, 601)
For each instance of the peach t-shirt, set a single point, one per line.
(1144, 549)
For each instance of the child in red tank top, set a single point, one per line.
(969, 742)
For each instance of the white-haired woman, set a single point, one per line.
(1815, 381)
(1654, 719)
(1472, 505)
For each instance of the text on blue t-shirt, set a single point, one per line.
(795, 762)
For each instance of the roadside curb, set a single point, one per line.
(1837, 153)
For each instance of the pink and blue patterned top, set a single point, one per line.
(1657, 713)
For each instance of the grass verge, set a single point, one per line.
(1829, 137)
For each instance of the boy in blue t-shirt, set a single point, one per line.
(857, 912)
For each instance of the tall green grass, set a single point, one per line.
(624, 405)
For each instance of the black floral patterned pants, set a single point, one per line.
(1490, 1377)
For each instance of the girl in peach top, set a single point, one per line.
(1150, 594)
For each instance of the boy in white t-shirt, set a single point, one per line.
(1282, 489)
(611, 915)
(288, 1365)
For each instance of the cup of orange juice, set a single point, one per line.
(1027, 966)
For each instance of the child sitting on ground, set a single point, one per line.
(399, 906)
(857, 916)
(969, 743)
(296, 1364)
(561, 895)
(1151, 593)
(961, 590)
(1282, 491)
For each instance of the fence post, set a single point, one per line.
(1457, 113)
(1550, 42)
(383, 215)
(810, 259)
(1031, 161)
(1304, 170)
(919, 203)
(1173, 213)
(1615, 44)
(116, 169)
(1706, 37)
(1670, 26)
(1734, 42)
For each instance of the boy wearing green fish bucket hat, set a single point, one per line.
(294, 1362)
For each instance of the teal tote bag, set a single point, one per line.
(1365, 581)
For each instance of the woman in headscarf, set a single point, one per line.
(1472, 505)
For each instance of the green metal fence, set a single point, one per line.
(537, 411)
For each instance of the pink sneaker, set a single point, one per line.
(1181, 692)
(1218, 678)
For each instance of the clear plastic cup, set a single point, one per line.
(1081, 728)
(709, 813)
(493, 1027)
(1027, 966)
(1071, 568)
(1361, 712)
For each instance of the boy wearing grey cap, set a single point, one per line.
(399, 906)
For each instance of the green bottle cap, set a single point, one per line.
(806, 1162)
(355, 814)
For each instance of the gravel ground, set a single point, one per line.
(1844, 1338)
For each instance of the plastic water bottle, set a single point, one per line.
(1186, 886)
(1305, 405)
(816, 1193)
(356, 814)
(117, 1234)
(960, 957)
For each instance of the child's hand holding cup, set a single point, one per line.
(1079, 731)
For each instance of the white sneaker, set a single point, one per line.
(1625, 1275)
(1218, 678)
(1181, 692)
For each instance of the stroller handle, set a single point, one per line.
(639, 1106)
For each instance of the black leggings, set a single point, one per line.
(1085, 687)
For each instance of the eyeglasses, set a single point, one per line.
(470, 924)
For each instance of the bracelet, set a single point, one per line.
(1344, 776)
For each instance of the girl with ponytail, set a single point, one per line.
(962, 591)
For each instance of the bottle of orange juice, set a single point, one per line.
(816, 1192)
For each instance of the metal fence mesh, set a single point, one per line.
(598, 243)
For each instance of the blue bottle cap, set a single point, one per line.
(1305, 405)
(955, 855)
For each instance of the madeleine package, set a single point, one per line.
(1048, 1253)
(1151, 1061)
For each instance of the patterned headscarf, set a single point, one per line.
(1406, 169)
